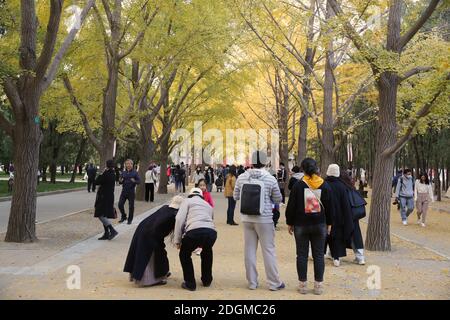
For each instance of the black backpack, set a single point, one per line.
(252, 197)
(357, 203)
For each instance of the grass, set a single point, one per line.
(43, 187)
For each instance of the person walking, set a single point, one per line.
(150, 182)
(342, 227)
(282, 177)
(91, 172)
(404, 193)
(209, 178)
(129, 179)
(423, 194)
(194, 228)
(219, 183)
(147, 261)
(258, 189)
(104, 202)
(309, 215)
(180, 178)
(197, 176)
(297, 175)
(230, 183)
(357, 204)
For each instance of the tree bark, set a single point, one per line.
(378, 231)
(76, 165)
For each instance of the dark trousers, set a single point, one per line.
(149, 192)
(91, 184)
(230, 210)
(282, 195)
(275, 217)
(316, 234)
(124, 197)
(205, 239)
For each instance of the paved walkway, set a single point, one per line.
(55, 206)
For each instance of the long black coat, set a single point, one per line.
(148, 239)
(342, 227)
(104, 203)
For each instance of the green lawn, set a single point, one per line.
(43, 187)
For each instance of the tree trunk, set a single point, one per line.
(76, 165)
(163, 179)
(27, 139)
(146, 149)
(327, 150)
(378, 231)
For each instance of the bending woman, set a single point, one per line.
(147, 260)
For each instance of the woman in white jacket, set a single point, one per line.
(423, 194)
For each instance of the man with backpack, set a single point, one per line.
(404, 193)
(258, 189)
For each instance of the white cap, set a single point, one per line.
(333, 170)
(196, 191)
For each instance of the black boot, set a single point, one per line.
(112, 232)
(123, 219)
(105, 235)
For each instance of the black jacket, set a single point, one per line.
(295, 210)
(148, 239)
(342, 227)
(104, 202)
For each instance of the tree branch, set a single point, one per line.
(83, 115)
(50, 38)
(48, 79)
(419, 24)
(414, 71)
(424, 111)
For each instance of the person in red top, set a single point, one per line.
(206, 195)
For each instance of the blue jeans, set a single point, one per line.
(406, 207)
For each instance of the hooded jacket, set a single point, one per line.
(294, 178)
(272, 194)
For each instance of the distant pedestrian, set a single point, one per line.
(91, 172)
(404, 193)
(206, 195)
(128, 179)
(180, 178)
(209, 178)
(104, 202)
(197, 176)
(282, 178)
(150, 182)
(230, 184)
(423, 194)
(117, 172)
(219, 183)
(309, 215)
(297, 175)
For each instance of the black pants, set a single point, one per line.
(230, 210)
(91, 184)
(124, 197)
(150, 191)
(275, 217)
(316, 234)
(282, 195)
(205, 239)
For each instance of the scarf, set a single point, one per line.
(314, 181)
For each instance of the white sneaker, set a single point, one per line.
(361, 262)
(405, 223)
(419, 221)
(422, 225)
(336, 262)
(303, 287)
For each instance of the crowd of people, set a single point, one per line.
(320, 213)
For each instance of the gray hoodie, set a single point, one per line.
(405, 187)
(271, 189)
